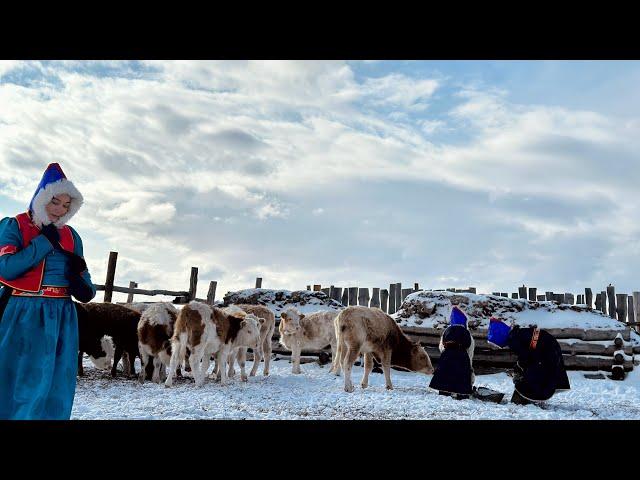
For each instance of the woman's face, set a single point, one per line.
(58, 206)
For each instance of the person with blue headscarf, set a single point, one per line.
(41, 267)
(540, 370)
(454, 372)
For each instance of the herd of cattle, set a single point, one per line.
(169, 341)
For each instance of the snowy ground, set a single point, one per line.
(316, 394)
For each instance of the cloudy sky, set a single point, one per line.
(447, 173)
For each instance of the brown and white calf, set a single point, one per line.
(374, 333)
(313, 331)
(155, 330)
(266, 333)
(194, 330)
(237, 329)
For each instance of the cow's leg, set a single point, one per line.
(173, 363)
(223, 353)
(337, 361)
(386, 367)
(231, 361)
(295, 358)
(333, 357)
(127, 359)
(350, 356)
(197, 367)
(242, 359)
(80, 367)
(117, 355)
(368, 366)
(266, 352)
(257, 356)
(157, 364)
(144, 360)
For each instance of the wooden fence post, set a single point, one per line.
(568, 298)
(309, 287)
(259, 282)
(514, 296)
(211, 294)
(611, 294)
(317, 288)
(588, 297)
(522, 292)
(326, 291)
(384, 297)
(353, 295)
(631, 313)
(405, 293)
(337, 294)
(599, 302)
(363, 297)
(416, 286)
(548, 295)
(193, 283)
(621, 310)
(130, 296)
(636, 302)
(111, 274)
(532, 294)
(472, 290)
(345, 297)
(392, 298)
(375, 298)
(504, 294)
(398, 295)
(603, 302)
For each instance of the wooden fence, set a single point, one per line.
(582, 349)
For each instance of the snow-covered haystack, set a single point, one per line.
(431, 309)
(305, 301)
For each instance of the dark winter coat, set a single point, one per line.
(540, 371)
(453, 372)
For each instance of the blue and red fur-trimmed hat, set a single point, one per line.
(54, 182)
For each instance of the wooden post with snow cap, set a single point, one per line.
(611, 294)
(522, 292)
(532, 294)
(621, 309)
(193, 283)
(617, 367)
(392, 298)
(211, 294)
(375, 298)
(345, 297)
(130, 296)
(588, 297)
(259, 282)
(384, 297)
(363, 297)
(111, 274)
(353, 295)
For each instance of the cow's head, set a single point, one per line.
(102, 353)
(249, 333)
(420, 361)
(290, 321)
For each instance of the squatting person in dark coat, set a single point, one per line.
(540, 370)
(454, 374)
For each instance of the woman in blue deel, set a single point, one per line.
(41, 267)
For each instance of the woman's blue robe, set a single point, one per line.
(38, 335)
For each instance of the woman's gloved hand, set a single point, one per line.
(51, 232)
(77, 265)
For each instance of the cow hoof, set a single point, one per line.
(389, 387)
(244, 378)
(167, 385)
(349, 389)
(364, 385)
(266, 374)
